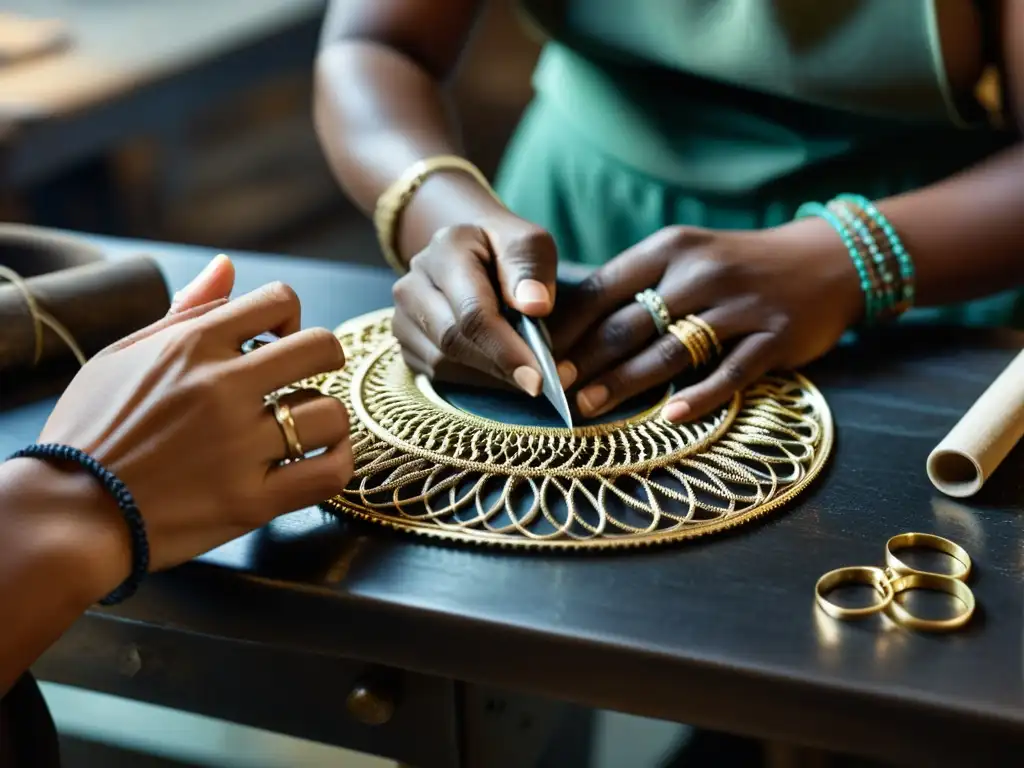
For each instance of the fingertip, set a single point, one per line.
(533, 298)
(676, 411)
(528, 380)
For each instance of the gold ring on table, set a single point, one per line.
(693, 337)
(656, 307)
(285, 420)
(708, 331)
(926, 541)
(935, 582)
(853, 574)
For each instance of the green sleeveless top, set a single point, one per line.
(730, 113)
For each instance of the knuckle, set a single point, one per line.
(323, 339)
(454, 235)
(473, 318)
(450, 339)
(671, 352)
(281, 293)
(338, 468)
(616, 335)
(733, 373)
(401, 291)
(592, 288)
(529, 246)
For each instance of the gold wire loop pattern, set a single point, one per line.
(898, 578)
(853, 574)
(425, 466)
(285, 420)
(656, 307)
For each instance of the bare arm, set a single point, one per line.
(380, 106)
(966, 233)
(59, 554)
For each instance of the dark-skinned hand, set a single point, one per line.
(448, 308)
(776, 298)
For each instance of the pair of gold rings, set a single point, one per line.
(694, 333)
(285, 420)
(897, 577)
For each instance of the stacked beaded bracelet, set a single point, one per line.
(885, 268)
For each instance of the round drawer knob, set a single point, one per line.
(370, 705)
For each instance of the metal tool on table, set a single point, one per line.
(897, 577)
(537, 338)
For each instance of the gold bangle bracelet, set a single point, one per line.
(393, 201)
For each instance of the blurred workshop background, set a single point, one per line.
(190, 121)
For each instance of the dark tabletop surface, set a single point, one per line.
(721, 633)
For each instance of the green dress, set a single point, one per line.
(729, 114)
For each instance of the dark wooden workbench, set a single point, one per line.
(274, 629)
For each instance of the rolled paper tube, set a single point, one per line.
(970, 453)
(98, 303)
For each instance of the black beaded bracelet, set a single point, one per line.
(125, 502)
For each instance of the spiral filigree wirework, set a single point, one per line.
(425, 466)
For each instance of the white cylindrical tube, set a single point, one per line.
(970, 453)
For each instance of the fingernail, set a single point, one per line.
(532, 294)
(566, 373)
(676, 411)
(592, 398)
(528, 380)
(196, 281)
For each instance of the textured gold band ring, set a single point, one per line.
(696, 340)
(854, 574)
(285, 420)
(655, 305)
(708, 331)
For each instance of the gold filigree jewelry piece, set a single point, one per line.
(655, 305)
(428, 467)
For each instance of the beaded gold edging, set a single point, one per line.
(424, 466)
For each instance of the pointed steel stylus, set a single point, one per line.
(537, 338)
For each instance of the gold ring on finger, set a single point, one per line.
(285, 420)
(691, 336)
(709, 332)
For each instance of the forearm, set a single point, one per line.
(965, 234)
(61, 549)
(377, 112)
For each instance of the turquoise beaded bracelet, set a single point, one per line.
(886, 289)
(886, 278)
(906, 264)
(817, 209)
